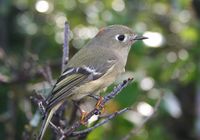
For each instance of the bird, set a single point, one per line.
(93, 68)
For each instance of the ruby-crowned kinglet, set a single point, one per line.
(92, 69)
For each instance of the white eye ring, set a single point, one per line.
(121, 37)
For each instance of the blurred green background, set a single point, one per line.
(31, 37)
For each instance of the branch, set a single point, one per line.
(65, 57)
(96, 111)
(39, 100)
(138, 128)
(59, 115)
(47, 74)
(79, 133)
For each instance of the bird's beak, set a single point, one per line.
(138, 37)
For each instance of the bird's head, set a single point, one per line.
(117, 36)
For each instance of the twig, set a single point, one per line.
(65, 57)
(59, 116)
(73, 114)
(58, 129)
(70, 131)
(96, 111)
(137, 129)
(116, 90)
(78, 133)
(47, 74)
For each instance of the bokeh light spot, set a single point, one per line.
(107, 15)
(154, 93)
(85, 32)
(70, 4)
(134, 117)
(31, 29)
(183, 54)
(172, 105)
(147, 83)
(59, 37)
(140, 27)
(60, 19)
(118, 5)
(171, 57)
(184, 16)
(155, 39)
(145, 109)
(160, 8)
(42, 6)
(83, 1)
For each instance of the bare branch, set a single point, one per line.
(70, 131)
(78, 133)
(96, 111)
(47, 74)
(65, 57)
(116, 91)
(60, 112)
(134, 131)
(40, 101)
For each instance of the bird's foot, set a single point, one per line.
(99, 105)
(83, 115)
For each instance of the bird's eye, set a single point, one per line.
(120, 37)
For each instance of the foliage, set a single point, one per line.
(31, 40)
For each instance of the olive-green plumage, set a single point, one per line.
(92, 69)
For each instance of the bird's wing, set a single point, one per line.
(73, 77)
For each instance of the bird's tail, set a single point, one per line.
(45, 124)
(46, 121)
